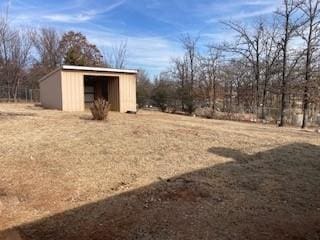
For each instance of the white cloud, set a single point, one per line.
(244, 14)
(240, 9)
(82, 17)
(151, 53)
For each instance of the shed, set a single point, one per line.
(73, 88)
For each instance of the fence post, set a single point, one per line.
(26, 94)
(30, 95)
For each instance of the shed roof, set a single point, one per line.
(93, 69)
(98, 69)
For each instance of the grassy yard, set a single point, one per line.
(154, 176)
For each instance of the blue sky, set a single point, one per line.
(152, 28)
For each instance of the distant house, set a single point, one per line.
(72, 88)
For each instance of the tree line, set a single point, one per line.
(28, 54)
(270, 69)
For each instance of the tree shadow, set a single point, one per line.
(273, 194)
(86, 117)
(16, 114)
(35, 106)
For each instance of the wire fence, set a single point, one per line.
(240, 112)
(23, 94)
(223, 109)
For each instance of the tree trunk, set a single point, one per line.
(307, 76)
(284, 76)
(231, 89)
(257, 80)
(15, 91)
(8, 91)
(214, 96)
(305, 106)
(263, 114)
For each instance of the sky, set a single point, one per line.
(151, 28)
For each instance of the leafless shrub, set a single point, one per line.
(173, 109)
(100, 109)
(206, 112)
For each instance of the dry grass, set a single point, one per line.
(52, 161)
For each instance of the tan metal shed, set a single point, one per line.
(72, 88)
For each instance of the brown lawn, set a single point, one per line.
(154, 176)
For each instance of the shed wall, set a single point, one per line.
(127, 89)
(122, 90)
(72, 91)
(50, 91)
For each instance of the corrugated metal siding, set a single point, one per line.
(127, 89)
(64, 90)
(50, 91)
(113, 93)
(72, 91)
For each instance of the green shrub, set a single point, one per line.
(100, 109)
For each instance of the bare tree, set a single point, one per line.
(229, 75)
(191, 60)
(310, 35)
(210, 67)
(271, 54)
(6, 36)
(249, 46)
(264, 68)
(120, 53)
(290, 23)
(144, 88)
(15, 50)
(46, 42)
(180, 72)
(190, 46)
(241, 78)
(117, 56)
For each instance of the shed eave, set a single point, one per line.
(98, 69)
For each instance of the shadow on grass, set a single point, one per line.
(86, 117)
(269, 195)
(35, 106)
(16, 114)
